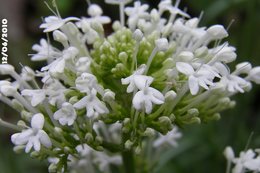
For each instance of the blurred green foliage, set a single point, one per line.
(201, 149)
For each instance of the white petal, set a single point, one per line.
(138, 99)
(82, 103)
(28, 147)
(193, 85)
(141, 81)
(44, 139)
(36, 144)
(148, 106)
(37, 121)
(184, 68)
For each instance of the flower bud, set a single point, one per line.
(149, 132)
(94, 10)
(35, 154)
(109, 95)
(138, 35)
(22, 124)
(60, 36)
(170, 96)
(26, 115)
(89, 138)
(186, 56)
(254, 75)
(138, 150)
(128, 144)
(229, 153)
(162, 44)
(243, 68)
(99, 140)
(19, 149)
(8, 90)
(52, 168)
(217, 32)
(6, 69)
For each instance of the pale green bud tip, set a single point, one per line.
(149, 132)
(21, 124)
(35, 154)
(170, 96)
(19, 149)
(89, 137)
(52, 168)
(138, 150)
(99, 140)
(109, 95)
(128, 144)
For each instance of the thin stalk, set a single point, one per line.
(129, 162)
(9, 125)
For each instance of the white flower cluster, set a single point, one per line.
(101, 96)
(248, 160)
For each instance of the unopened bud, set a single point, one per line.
(128, 144)
(138, 35)
(162, 44)
(60, 36)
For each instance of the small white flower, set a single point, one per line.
(166, 5)
(37, 96)
(244, 157)
(86, 82)
(44, 51)
(138, 11)
(231, 82)
(96, 12)
(53, 23)
(253, 165)
(93, 105)
(83, 65)
(147, 96)
(132, 82)
(170, 138)
(66, 115)
(202, 77)
(57, 66)
(34, 136)
(55, 92)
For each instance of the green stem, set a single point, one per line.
(129, 162)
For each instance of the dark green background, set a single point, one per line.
(201, 149)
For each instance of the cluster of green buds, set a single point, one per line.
(101, 99)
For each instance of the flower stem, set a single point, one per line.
(128, 160)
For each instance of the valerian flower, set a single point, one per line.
(66, 114)
(34, 136)
(93, 105)
(53, 23)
